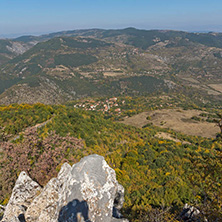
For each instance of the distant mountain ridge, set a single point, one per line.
(212, 39)
(94, 62)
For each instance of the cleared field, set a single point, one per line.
(209, 89)
(192, 80)
(113, 74)
(176, 119)
(217, 87)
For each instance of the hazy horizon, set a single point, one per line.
(40, 17)
(16, 35)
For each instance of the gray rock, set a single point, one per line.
(119, 220)
(18, 47)
(118, 202)
(191, 213)
(43, 207)
(87, 191)
(90, 187)
(14, 219)
(23, 193)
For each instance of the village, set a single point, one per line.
(110, 105)
(118, 108)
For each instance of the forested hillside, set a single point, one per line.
(148, 101)
(60, 67)
(159, 175)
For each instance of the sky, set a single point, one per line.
(19, 17)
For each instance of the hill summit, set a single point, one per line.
(87, 191)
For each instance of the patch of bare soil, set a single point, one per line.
(167, 136)
(176, 119)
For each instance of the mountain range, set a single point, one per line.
(69, 65)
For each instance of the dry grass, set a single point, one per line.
(176, 119)
(192, 80)
(217, 87)
(114, 74)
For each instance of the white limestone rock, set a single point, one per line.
(14, 219)
(23, 193)
(43, 207)
(87, 191)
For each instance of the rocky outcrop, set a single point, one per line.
(44, 206)
(87, 191)
(24, 192)
(191, 213)
(18, 48)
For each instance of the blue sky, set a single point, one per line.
(42, 16)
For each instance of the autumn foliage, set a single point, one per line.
(159, 176)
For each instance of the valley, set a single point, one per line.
(71, 65)
(148, 101)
